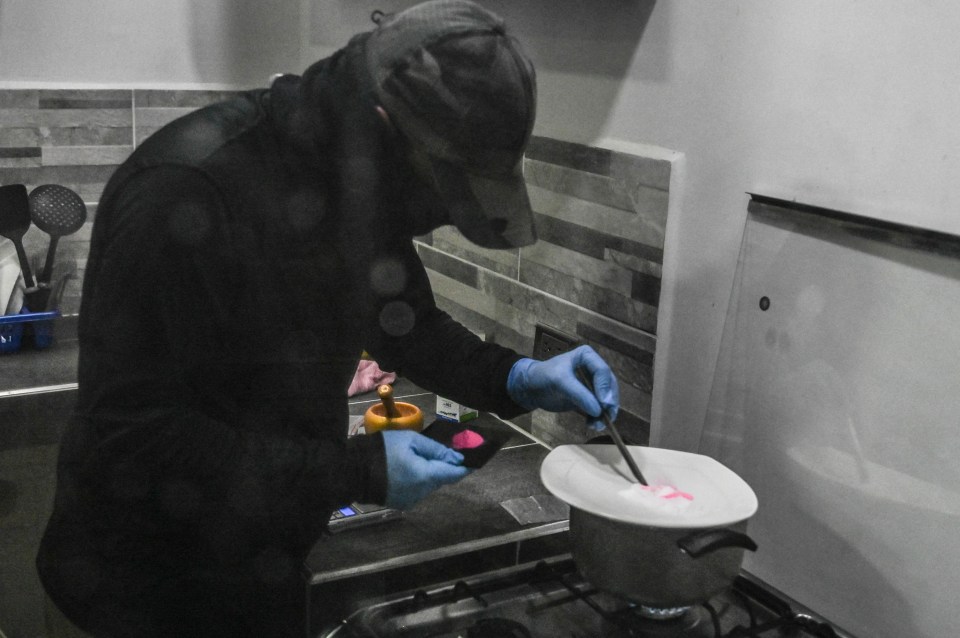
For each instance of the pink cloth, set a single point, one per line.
(368, 376)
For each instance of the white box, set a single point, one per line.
(453, 411)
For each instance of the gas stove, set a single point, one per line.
(549, 599)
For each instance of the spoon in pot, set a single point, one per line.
(614, 433)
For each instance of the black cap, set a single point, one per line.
(461, 90)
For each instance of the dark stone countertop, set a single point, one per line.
(455, 520)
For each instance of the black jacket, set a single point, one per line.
(241, 260)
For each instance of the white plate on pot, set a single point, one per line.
(596, 479)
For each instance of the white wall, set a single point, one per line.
(839, 103)
(843, 104)
(154, 43)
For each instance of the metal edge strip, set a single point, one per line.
(443, 552)
(63, 387)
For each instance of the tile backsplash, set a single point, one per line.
(595, 273)
(77, 138)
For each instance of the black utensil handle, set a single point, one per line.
(37, 300)
(48, 264)
(617, 439)
(708, 541)
(28, 279)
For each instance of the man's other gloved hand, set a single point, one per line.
(553, 385)
(416, 466)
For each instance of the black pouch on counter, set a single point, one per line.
(443, 431)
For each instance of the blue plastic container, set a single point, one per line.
(37, 325)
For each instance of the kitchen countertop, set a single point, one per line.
(29, 370)
(455, 520)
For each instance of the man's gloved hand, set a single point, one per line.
(553, 385)
(416, 466)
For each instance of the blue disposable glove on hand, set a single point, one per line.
(416, 466)
(553, 385)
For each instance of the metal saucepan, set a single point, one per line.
(655, 546)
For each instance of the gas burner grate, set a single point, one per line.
(785, 618)
(550, 598)
(638, 621)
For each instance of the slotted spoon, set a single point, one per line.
(57, 211)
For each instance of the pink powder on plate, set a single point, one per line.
(666, 491)
(466, 440)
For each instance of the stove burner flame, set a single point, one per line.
(661, 613)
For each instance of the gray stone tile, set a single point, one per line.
(66, 118)
(591, 242)
(533, 304)
(645, 289)
(87, 136)
(143, 132)
(579, 184)
(636, 263)
(632, 168)
(578, 156)
(88, 181)
(467, 296)
(619, 192)
(157, 117)
(581, 239)
(186, 98)
(647, 227)
(84, 103)
(19, 136)
(85, 99)
(493, 331)
(629, 371)
(19, 162)
(577, 265)
(19, 152)
(85, 155)
(462, 271)
(19, 118)
(19, 99)
(590, 296)
(632, 343)
(449, 240)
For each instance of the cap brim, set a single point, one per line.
(490, 211)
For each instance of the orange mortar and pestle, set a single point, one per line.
(390, 414)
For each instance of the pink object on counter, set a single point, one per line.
(368, 376)
(466, 440)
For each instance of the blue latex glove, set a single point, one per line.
(553, 385)
(416, 466)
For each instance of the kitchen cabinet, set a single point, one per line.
(37, 395)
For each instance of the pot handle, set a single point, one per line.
(705, 542)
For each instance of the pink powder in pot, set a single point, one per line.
(466, 440)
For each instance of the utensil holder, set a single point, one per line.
(27, 328)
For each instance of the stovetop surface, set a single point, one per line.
(550, 600)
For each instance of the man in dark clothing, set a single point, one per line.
(241, 260)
